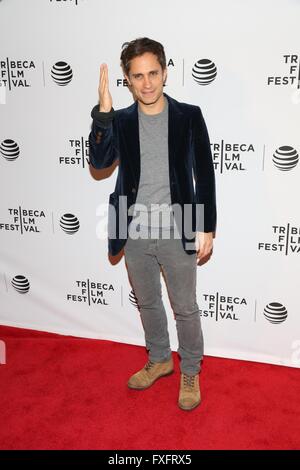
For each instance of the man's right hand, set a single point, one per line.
(105, 98)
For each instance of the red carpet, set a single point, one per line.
(60, 392)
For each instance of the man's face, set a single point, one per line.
(146, 78)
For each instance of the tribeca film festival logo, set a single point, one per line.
(287, 240)
(290, 77)
(19, 74)
(79, 153)
(233, 157)
(292, 72)
(78, 148)
(230, 156)
(91, 292)
(23, 220)
(222, 307)
(28, 220)
(16, 73)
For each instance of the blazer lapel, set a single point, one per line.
(174, 131)
(131, 127)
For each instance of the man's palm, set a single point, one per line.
(105, 98)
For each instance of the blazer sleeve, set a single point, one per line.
(204, 173)
(103, 139)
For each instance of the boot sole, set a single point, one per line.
(148, 386)
(190, 407)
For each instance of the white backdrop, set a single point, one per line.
(55, 274)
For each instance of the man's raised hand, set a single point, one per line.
(105, 98)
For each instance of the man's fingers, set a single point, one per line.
(103, 75)
(104, 79)
(103, 89)
(204, 251)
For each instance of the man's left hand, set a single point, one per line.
(204, 245)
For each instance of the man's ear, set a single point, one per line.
(165, 75)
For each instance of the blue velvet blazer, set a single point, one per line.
(189, 155)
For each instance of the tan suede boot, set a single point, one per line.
(189, 393)
(152, 371)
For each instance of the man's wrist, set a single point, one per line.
(103, 110)
(100, 115)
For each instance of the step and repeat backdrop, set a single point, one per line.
(238, 61)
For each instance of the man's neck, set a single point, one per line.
(154, 108)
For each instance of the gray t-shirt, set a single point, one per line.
(154, 186)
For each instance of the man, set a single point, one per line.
(159, 143)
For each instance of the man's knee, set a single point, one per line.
(184, 311)
(151, 300)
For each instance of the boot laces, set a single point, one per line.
(149, 365)
(189, 380)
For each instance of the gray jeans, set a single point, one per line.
(144, 259)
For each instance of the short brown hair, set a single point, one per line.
(138, 47)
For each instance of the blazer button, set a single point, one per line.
(133, 190)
